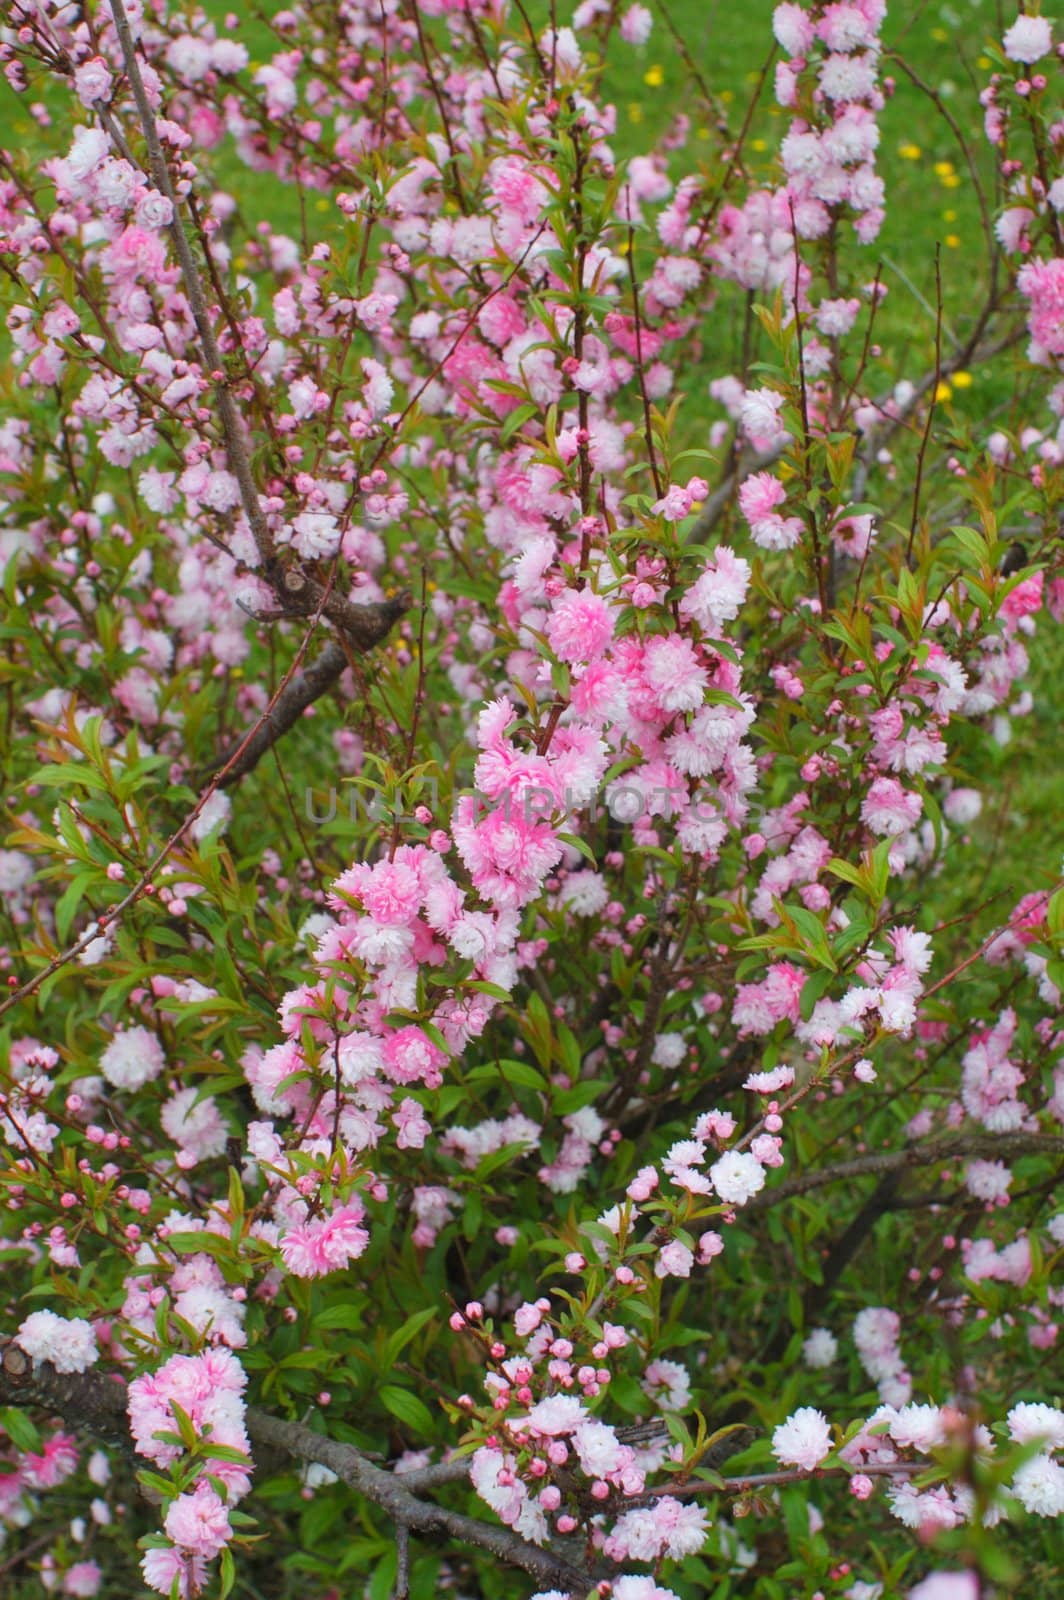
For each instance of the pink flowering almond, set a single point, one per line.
(803, 1440)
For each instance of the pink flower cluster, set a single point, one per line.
(209, 1391)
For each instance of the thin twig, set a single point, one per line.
(929, 419)
(402, 1561)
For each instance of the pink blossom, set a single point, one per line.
(208, 1388)
(326, 1244)
(759, 495)
(947, 1586)
(716, 597)
(195, 1125)
(598, 1449)
(1042, 282)
(673, 673)
(93, 81)
(133, 1058)
(52, 1465)
(198, 1522)
(68, 1343)
(580, 626)
(636, 25)
(793, 27)
(1029, 1421)
(737, 1177)
(414, 1128)
(162, 1568)
(803, 1440)
(1028, 40)
(888, 809)
(629, 1587)
(675, 1260)
(557, 1415)
(82, 1581)
(759, 415)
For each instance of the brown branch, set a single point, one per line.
(113, 913)
(304, 689)
(298, 593)
(235, 448)
(366, 626)
(956, 1146)
(770, 1480)
(640, 366)
(96, 1403)
(85, 1400)
(386, 1489)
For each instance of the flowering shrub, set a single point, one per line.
(512, 1079)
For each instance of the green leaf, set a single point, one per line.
(408, 1408)
(813, 936)
(20, 1430)
(208, 1244)
(350, 1318)
(581, 846)
(304, 1360)
(579, 1096)
(498, 1158)
(70, 777)
(849, 874)
(186, 1432)
(398, 1341)
(382, 1584)
(71, 898)
(519, 1073)
(538, 1029)
(517, 418)
(812, 989)
(472, 1215)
